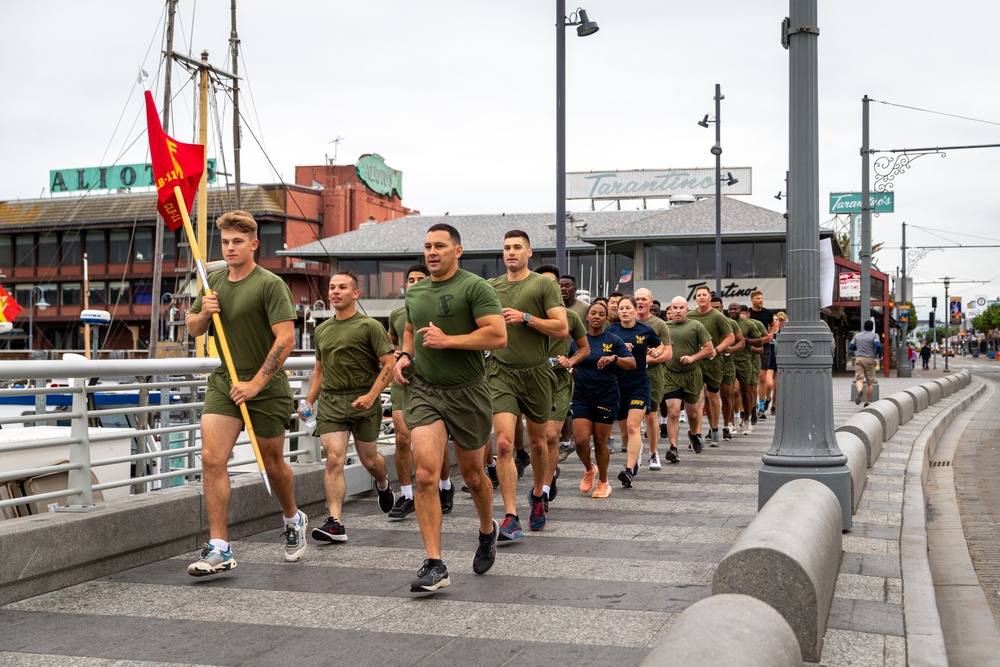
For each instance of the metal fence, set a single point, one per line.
(75, 431)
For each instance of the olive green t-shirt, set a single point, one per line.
(397, 325)
(749, 331)
(560, 346)
(536, 294)
(350, 351)
(760, 330)
(248, 308)
(660, 327)
(453, 306)
(686, 338)
(714, 321)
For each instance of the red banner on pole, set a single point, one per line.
(8, 307)
(174, 164)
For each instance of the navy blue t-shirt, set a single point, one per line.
(642, 337)
(587, 374)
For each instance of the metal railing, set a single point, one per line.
(116, 428)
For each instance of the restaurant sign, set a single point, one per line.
(117, 177)
(654, 183)
(378, 176)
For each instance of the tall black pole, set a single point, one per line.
(234, 43)
(717, 149)
(903, 364)
(865, 252)
(804, 444)
(561, 261)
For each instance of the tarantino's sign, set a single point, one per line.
(653, 183)
(118, 177)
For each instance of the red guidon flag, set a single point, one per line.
(174, 164)
(8, 307)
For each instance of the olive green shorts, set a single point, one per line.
(522, 390)
(655, 387)
(334, 413)
(563, 395)
(728, 371)
(745, 372)
(396, 396)
(690, 383)
(465, 409)
(270, 410)
(712, 370)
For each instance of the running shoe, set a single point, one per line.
(696, 443)
(521, 462)
(536, 520)
(772, 410)
(747, 428)
(447, 499)
(212, 561)
(430, 577)
(385, 497)
(683, 418)
(332, 531)
(486, 552)
(767, 404)
(726, 433)
(510, 529)
(587, 485)
(611, 443)
(713, 437)
(760, 405)
(753, 418)
(552, 489)
(654, 461)
(671, 456)
(603, 490)
(761, 415)
(625, 477)
(663, 430)
(565, 449)
(491, 472)
(402, 509)
(295, 538)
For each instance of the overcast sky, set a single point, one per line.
(460, 96)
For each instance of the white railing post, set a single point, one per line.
(79, 453)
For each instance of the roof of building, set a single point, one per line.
(586, 229)
(95, 209)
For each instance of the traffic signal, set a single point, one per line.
(934, 302)
(930, 320)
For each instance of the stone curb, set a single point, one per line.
(867, 427)
(857, 463)
(905, 405)
(887, 412)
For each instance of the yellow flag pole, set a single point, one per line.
(220, 332)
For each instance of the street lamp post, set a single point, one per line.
(584, 27)
(804, 444)
(41, 304)
(947, 323)
(717, 152)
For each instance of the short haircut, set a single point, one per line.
(703, 287)
(350, 274)
(869, 326)
(744, 308)
(756, 292)
(656, 302)
(517, 234)
(617, 294)
(239, 221)
(456, 238)
(628, 297)
(548, 268)
(419, 267)
(567, 276)
(716, 298)
(600, 301)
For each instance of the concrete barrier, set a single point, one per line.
(888, 415)
(868, 429)
(947, 388)
(965, 376)
(857, 463)
(921, 397)
(730, 630)
(956, 381)
(864, 390)
(904, 405)
(789, 557)
(934, 392)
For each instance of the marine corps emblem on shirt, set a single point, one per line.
(444, 305)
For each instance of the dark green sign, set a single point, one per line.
(378, 176)
(118, 177)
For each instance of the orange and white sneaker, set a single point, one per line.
(603, 490)
(587, 485)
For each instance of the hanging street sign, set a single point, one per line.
(850, 202)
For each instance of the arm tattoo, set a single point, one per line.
(272, 363)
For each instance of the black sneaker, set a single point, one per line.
(430, 577)
(491, 472)
(402, 509)
(625, 477)
(521, 462)
(726, 433)
(713, 437)
(447, 499)
(772, 410)
(767, 404)
(331, 531)
(386, 500)
(762, 415)
(753, 417)
(565, 450)
(486, 552)
(671, 456)
(552, 489)
(663, 430)
(695, 439)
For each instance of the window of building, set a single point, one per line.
(769, 259)
(214, 249)
(119, 292)
(142, 245)
(484, 267)
(70, 294)
(6, 252)
(737, 260)
(70, 251)
(269, 235)
(392, 278)
(98, 296)
(94, 243)
(664, 262)
(118, 246)
(24, 249)
(51, 293)
(169, 245)
(368, 278)
(48, 249)
(142, 292)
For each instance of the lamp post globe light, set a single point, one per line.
(41, 304)
(716, 150)
(584, 27)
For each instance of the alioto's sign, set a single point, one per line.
(118, 177)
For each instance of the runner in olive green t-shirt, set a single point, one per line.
(354, 360)
(714, 368)
(451, 319)
(258, 316)
(521, 379)
(746, 372)
(690, 343)
(657, 375)
(727, 394)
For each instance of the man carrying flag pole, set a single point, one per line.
(251, 386)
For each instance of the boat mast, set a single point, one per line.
(234, 42)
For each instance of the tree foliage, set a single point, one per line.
(988, 320)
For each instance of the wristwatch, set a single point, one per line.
(527, 317)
